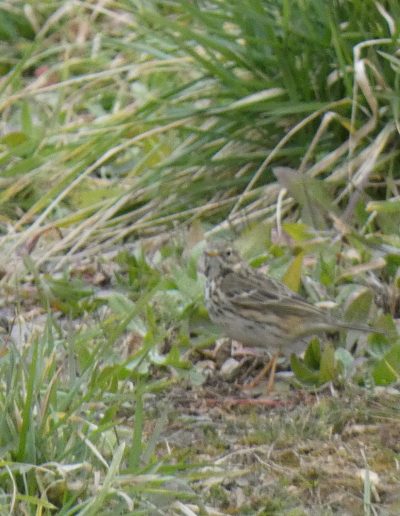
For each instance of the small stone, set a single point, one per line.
(229, 368)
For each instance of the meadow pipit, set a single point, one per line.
(260, 311)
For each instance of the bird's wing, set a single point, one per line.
(256, 295)
(253, 291)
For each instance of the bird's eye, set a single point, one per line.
(228, 252)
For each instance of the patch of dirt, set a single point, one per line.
(293, 452)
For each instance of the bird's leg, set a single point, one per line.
(270, 367)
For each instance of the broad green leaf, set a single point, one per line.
(328, 364)
(386, 323)
(297, 231)
(188, 286)
(120, 303)
(90, 193)
(387, 370)
(388, 223)
(302, 372)
(390, 206)
(359, 307)
(311, 194)
(392, 264)
(254, 240)
(312, 356)
(14, 139)
(345, 359)
(292, 276)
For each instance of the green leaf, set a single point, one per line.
(302, 372)
(137, 438)
(292, 276)
(69, 289)
(91, 194)
(386, 323)
(359, 307)
(312, 356)
(387, 370)
(254, 240)
(14, 139)
(312, 195)
(34, 500)
(119, 303)
(318, 367)
(328, 370)
(174, 359)
(297, 231)
(26, 448)
(326, 269)
(391, 206)
(26, 118)
(345, 359)
(191, 288)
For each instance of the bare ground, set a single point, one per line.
(295, 452)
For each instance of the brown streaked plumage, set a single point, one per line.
(258, 310)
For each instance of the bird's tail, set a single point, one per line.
(358, 327)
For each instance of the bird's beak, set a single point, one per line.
(211, 252)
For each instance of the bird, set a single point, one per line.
(260, 311)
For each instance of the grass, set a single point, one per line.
(130, 133)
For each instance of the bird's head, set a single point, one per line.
(220, 258)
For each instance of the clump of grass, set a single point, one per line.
(207, 95)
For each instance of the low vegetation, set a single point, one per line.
(132, 132)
